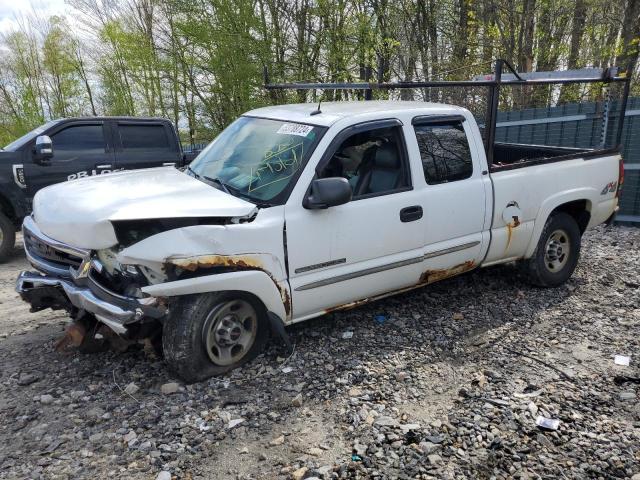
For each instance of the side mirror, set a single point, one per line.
(43, 150)
(328, 192)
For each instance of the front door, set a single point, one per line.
(369, 246)
(79, 150)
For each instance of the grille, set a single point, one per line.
(43, 251)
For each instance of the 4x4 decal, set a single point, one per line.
(609, 188)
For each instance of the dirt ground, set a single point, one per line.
(14, 314)
(443, 382)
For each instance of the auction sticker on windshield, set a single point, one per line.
(295, 129)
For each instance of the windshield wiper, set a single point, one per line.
(228, 189)
(195, 175)
(219, 182)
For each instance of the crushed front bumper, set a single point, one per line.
(57, 284)
(42, 292)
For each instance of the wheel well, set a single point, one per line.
(252, 296)
(579, 210)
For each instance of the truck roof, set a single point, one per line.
(116, 117)
(334, 111)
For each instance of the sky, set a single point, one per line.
(12, 9)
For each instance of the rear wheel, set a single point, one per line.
(557, 253)
(213, 333)
(7, 236)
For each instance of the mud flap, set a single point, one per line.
(609, 221)
(278, 330)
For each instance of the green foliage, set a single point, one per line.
(200, 62)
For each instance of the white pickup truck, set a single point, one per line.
(295, 211)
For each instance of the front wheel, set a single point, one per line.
(557, 253)
(210, 334)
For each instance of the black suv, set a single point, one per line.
(72, 148)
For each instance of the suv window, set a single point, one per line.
(144, 137)
(80, 137)
(372, 161)
(445, 153)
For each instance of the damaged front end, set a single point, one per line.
(73, 279)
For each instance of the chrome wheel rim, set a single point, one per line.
(557, 251)
(230, 331)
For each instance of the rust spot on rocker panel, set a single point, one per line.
(234, 263)
(350, 305)
(429, 276)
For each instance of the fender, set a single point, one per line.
(13, 202)
(553, 202)
(275, 296)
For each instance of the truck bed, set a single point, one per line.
(519, 154)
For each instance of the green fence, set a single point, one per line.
(583, 125)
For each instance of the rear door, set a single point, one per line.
(457, 195)
(80, 149)
(145, 144)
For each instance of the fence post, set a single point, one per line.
(606, 111)
(368, 93)
(623, 105)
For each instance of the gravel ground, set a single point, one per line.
(443, 382)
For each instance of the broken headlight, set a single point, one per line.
(122, 279)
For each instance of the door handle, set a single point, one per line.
(411, 214)
(107, 165)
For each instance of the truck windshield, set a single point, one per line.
(23, 140)
(256, 158)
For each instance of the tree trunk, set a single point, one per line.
(630, 36)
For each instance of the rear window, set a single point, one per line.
(445, 153)
(144, 137)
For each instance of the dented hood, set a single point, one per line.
(80, 212)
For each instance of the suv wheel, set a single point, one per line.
(210, 334)
(7, 236)
(557, 253)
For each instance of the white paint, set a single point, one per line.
(79, 212)
(348, 112)
(252, 281)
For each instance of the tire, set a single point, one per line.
(7, 237)
(557, 253)
(205, 336)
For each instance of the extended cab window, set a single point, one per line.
(445, 153)
(372, 161)
(144, 137)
